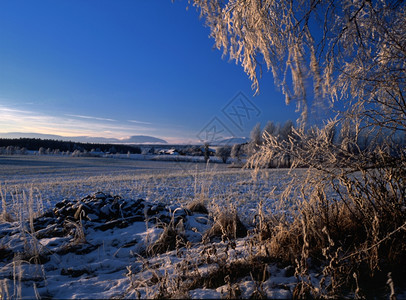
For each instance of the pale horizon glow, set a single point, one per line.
(14, 120)
(23, 121)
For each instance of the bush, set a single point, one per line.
(227, 225)
(223, 153)
(351, 209)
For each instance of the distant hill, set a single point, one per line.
(136, 139)
(143, 139)
(232, 141)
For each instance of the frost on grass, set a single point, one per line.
(107, 246)
(95, 237)
(183, 244)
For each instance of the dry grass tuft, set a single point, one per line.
(227, 225)
(170, 239)
(230, 272)
(197, 206)
(349, 219)
(6, 217)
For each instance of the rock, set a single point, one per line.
(108, 225)
(5, 253)
(105, 210)
(78, 249)
(92, 217)
(50, 232)
(100, 208)
(74, 272)
(102, 212)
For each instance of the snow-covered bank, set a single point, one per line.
(104, 246)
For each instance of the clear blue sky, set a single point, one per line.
(121, 68)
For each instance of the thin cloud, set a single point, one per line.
(16, 120)
(139, 122)
(91, 118)
(8, 110)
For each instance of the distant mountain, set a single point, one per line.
(135, 139)
(232, 141)
(16, 135)
(143, 139)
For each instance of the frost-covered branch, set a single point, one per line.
(349, 50)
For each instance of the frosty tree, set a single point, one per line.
(270, 128)
(255, 139)
(224, 153)
(351, 50)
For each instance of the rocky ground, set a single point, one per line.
(105, 246)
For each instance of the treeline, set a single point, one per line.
(240, 152)
(35, 144)
(347, 141)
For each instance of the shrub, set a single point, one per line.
(227, 225)
(351, 208)
(223, 153)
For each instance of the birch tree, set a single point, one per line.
(320, 53)
(255, 139)
(349, 50)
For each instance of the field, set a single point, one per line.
(30, 185)
(86, 227)
(51, 179)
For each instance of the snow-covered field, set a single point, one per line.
(72, 253)
(50, 179)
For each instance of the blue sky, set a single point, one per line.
(122, 68)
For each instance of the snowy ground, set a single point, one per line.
(53, 257)
(50, 179)
(111, 262)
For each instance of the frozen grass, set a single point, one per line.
(31, 184)
(296, 245)
(350, 220)
(50, 179)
